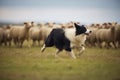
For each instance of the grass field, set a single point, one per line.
(29, 64)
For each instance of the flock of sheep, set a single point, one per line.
(106, 33)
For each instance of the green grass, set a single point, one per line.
(30, 64)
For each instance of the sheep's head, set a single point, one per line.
(112, 29)
(32, 23)
(114, 23)
(29, 24)
(50, 24)
(8, 27)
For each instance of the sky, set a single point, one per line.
(84, 11)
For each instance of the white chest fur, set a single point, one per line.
(76, 41)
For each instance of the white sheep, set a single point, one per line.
(7, 37)
(117, 34)
(91, 38)
(35, 35)
(1, 35)
(20, 33)
(107, 36)
(45, 31)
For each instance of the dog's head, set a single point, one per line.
(81, 29)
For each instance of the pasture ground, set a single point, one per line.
(30, 64)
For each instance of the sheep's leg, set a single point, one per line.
(9, 43)
(108, 45)
(100, 44)
(114, 43)
(38, 42)
(21, 43)
(15, 42)
(70, 53)
(94, 43)
(118, 44)
(33, 43)
(18, 42)
(28, 41)
(0, 43)
(43, 48)
(5, 42)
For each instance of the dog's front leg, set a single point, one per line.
(71, 53)
(82, 49)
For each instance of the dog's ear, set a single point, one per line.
(76, 26)
(83, 26)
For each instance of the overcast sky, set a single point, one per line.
(86, 11)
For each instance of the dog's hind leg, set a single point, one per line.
(57, 52)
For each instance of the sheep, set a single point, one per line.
(49, 24)
(109, 25)
(7, 37)
(41, 33)
(41, 24)
(35, 34)
(96, 26)
(117, 34)
(1, 35)
(107, 36)
(45, 31)
(68, 25)
(91, 38)
(20, 33)
(56, 26)
(52, 25)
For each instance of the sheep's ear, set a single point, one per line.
(92, 24)
(25, 23)
(113, 28)
(54, 23)
(105, 24)
(62, 25)
(71, 22)
(32, 22)
(97, 24)
(115, 23)
(110, 23)
(8, 27)
(78, 22)
(46, 23)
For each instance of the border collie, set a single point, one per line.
(67, 39)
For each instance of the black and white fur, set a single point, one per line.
(67, 39)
